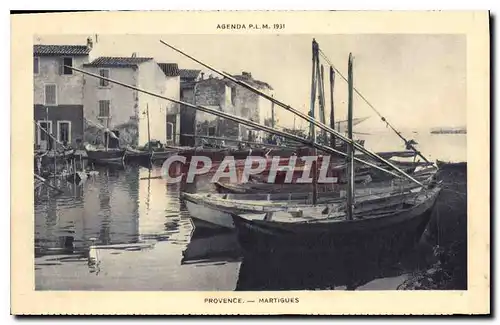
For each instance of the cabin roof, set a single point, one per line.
(56, 50)
(170, 69)
(117, 62)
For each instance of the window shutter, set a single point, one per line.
(50, 94)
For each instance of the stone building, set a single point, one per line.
(189, 79)
(226, 96)
(58, 93)
(125, 111)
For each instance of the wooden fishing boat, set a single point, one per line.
(377, 229)
(102, 155)
(214, 210)
(259, 185)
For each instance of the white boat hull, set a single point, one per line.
(210, 216)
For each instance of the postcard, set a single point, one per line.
(250, 163)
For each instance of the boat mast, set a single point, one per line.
(311, 120)
(350, 147)
(332, 111)
(240, 120)
(312, 134)
(272, 114)
(321, 98)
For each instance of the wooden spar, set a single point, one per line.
(312, 134)
(350, 147)
(407, 143)
(240, 120)
(46, 182)
(50, 135)
(102, 127)
(332, 110)
(300, 114)
(106, 136)
(149, 134)
(232, 140)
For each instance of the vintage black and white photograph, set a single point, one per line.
(251, 159)
(335, 162)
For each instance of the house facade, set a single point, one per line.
(58, 93)
(134, 116)
(226, 96)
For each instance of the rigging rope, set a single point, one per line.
(409, 143)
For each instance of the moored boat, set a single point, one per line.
(377, 230)
(102, 155)
(214, 210)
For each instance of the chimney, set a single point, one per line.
(202, 75)
(134, 55)
(90, 44)
(246, 74)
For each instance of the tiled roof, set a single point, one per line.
(170, 69)
(50, 50)
(117, 62)
(189, 73)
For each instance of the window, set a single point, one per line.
(36, 64)
(170, 131)
(233, 96)
(211, 131)
(67, 62)
(50, 94)
(64, 131)
(104, 73)
(228, 95)
(104, 108)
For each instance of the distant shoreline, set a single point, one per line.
(449, 132)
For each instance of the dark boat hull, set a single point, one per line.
(374, 237)
(105, 156)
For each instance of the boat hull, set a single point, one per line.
(209, 217)
(373, 237)
(105, 156)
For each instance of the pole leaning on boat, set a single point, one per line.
(306, 117)
(240, 120)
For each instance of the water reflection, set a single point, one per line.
(207, 246)
(126, 229)
(114, 207)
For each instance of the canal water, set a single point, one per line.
(143, 239)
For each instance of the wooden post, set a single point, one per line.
(350, 146)
(332, 109)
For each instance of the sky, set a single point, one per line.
(416, 81)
